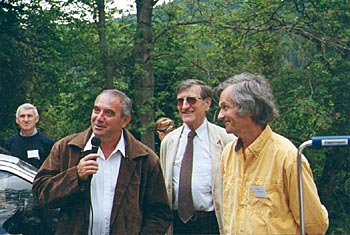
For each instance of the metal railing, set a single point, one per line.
(316, 142)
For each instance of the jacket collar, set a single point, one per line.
(81, 139)
(134, 148)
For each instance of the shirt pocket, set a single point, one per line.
(266, 200)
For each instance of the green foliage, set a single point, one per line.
(52, 59)
(12, 52)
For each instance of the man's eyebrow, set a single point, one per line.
(110, 111)
(105, 110)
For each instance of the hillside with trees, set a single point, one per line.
(59, 54)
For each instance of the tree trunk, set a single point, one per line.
(101, 29)
(144, 72)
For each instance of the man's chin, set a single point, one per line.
(98, 131)
(228, 129)
(188, 118)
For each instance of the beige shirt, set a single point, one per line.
(260, 195)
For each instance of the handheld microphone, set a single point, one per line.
(95, 143)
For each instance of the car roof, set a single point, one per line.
(18, 167)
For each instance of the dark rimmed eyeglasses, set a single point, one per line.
(161, 131)
(189, 100)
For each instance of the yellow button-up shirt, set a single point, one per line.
(260, 194)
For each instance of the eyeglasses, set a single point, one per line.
(161, 131)
(189, 100)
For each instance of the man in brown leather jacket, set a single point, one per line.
(118, 190)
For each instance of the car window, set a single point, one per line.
(19, 211)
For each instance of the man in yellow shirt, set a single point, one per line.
(259, 169)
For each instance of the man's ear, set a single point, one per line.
(37, 118)
(208, 103)
(126, 120)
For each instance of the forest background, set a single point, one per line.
(59, 55)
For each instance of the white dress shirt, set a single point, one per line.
(202, 169)
(102, 189)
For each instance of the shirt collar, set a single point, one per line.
(200, 131)
(120, 146)
(258, 143)
(33, 133)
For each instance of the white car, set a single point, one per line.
(19, 210)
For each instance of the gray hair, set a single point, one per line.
(27, 106)
(124, 99)
(253, 94)
(205, 89)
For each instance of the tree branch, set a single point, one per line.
(170, 27)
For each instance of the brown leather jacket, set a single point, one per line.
(140, 206)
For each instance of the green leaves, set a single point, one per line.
(51, 57)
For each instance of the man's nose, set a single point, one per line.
(220, 115)
(185, 104)
(99, 116)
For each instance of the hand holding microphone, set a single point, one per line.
(88, 165)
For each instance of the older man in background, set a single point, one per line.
(29, 144)
(190, 157)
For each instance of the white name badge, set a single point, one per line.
(33, 154)
(259, 191)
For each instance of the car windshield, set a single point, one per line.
(19, 211)
(15, 193)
